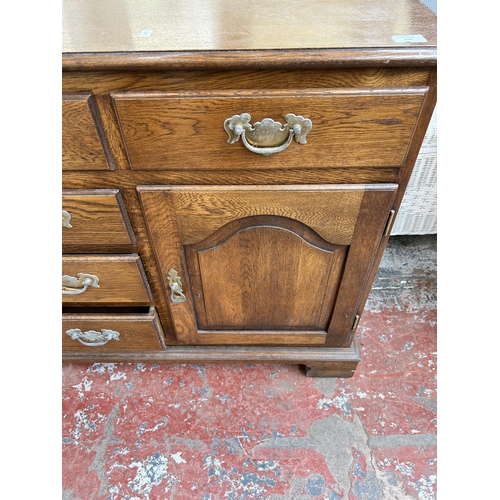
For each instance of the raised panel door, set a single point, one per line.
(265, 264)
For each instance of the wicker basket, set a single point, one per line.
(418, 211)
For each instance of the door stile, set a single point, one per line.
(164, 232)
(369, 230)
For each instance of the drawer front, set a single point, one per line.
(84, 145)
(104, 280)
(350, 128)
(111, 332)
(95, 217)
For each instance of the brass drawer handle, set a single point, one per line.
(66, 218)
(74, 286)
(267, 137)
(93, 338)
(175, 284)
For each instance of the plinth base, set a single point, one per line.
(319, 361)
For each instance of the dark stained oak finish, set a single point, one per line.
(250, 25)
(402, 56)
(84, 145)
(277, 253)
(131, 179)
(201, 210)
(319, 361)
(137, 332)
(217, 79)
(264, 264)
(122, 280)
(98, 217)
(351, 128)
(244, 264)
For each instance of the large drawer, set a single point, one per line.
(84, 145)
(350, 127)
(95, 217)
(111, 332)
(104, 280)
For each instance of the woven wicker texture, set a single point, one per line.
(418, 211)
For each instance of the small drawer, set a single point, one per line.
(104, 280)
(95, 217)
(350, 128)
(84, 145)
(111, 332)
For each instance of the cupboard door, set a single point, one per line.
(266, 264)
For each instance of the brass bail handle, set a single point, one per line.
(175, 284)
(74, 286)
(93, 338)
(268, 136)
(66, 219)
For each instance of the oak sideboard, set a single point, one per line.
(231, 173)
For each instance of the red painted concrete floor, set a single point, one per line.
(249, 431)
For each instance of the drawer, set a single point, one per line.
(104, 280)
(95, 217)
(111, 332)
(84, 144)
(350, 128)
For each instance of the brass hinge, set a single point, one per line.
(355, 324)
(390, 220)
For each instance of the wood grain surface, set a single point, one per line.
(370, 228)
(241, 286)
(351, 128)
(132, 178)
(289, 59)
(201, 210)
(83, 143)
(211, 25)
(98, 217)
(122, 280)
(137, 331)
(196, 79)
(241, 274)
(323, 361)
(147, 87)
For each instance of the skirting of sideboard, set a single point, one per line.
(319, 361)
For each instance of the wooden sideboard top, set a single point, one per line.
(149, 30)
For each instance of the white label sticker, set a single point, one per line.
(145, 32)
(408, 38)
